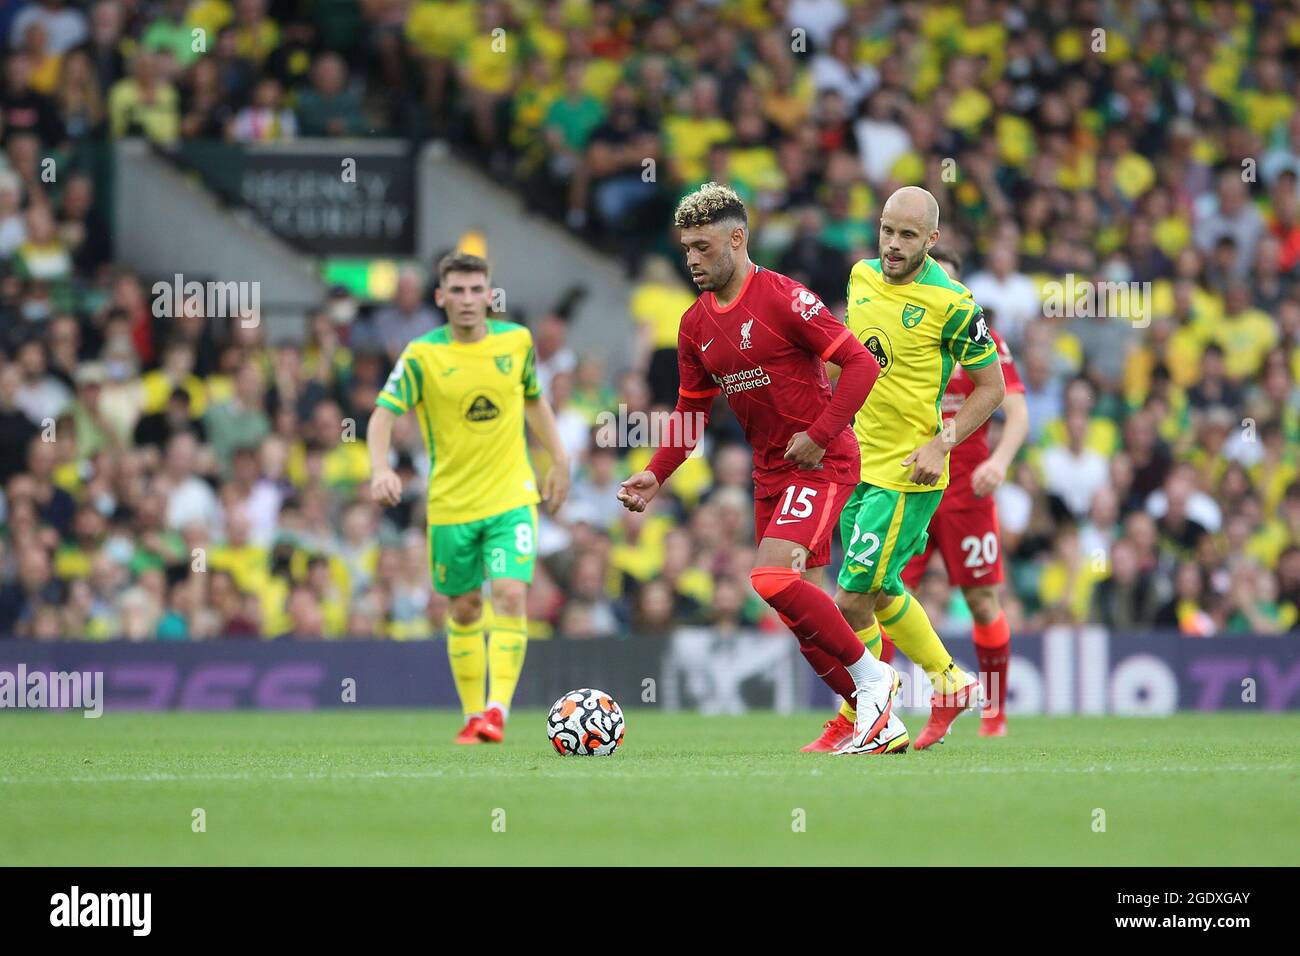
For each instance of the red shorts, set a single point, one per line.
(969, 543)
(804, 511)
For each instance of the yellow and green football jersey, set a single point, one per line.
(917, 332)
(470, 401)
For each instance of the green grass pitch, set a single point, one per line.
(389, 787)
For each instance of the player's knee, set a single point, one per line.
(509, 597)
(983, 604)
(769, 582)
(858, 609)
(883, 600)
(467, 608)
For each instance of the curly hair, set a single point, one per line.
(711, 203)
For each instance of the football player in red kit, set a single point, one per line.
(964, 531)
(764, 339)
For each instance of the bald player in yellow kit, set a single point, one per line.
(473, 384)
(919, 324)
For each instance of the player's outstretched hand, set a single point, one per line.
(987, 477)
(803, 451)
(555, 487)
(386, 487)
(928, 462)
(638, 491)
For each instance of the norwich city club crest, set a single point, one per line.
(912, 315)
(505, 363)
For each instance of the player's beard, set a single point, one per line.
(721, 273)
(910, 265)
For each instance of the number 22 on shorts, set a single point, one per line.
(870, 545)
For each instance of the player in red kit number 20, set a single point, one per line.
(763, 340)
(964, 529)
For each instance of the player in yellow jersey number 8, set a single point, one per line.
(472, 384)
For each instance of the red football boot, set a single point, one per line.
(469, 734)
(943, 711)
(834, 733)
(995, 726)
(492, 729)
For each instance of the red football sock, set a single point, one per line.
(886, 647)
(810, 612)
(993, 651)
(830, 670)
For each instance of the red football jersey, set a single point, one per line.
(963, 459)
(767, 351)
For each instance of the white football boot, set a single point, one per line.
(874, 703)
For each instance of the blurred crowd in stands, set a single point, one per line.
(185, 479)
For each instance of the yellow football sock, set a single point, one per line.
(506, 646)
(910, 629)
(870, 636)
(468, 656)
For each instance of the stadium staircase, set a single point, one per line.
(535, 260)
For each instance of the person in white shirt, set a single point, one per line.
(820, 18)
(41, 396)
(550, 344)
(1229, 213)
(65, 25)
(1073, 472)
(881, 139)
(1010, 295)
(13, 227)
(837, 69)
(191, 500)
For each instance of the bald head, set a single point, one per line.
(914, 203)
(909, 228)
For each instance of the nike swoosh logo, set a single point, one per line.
(866, 298)
(705, 346)
(787, 520)
(447, 371)
(980, 574)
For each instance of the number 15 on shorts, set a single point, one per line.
(796, 504)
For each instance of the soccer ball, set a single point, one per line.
(585, 722)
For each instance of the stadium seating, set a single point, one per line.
(1145, 147)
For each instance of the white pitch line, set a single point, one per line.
(316, 777)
